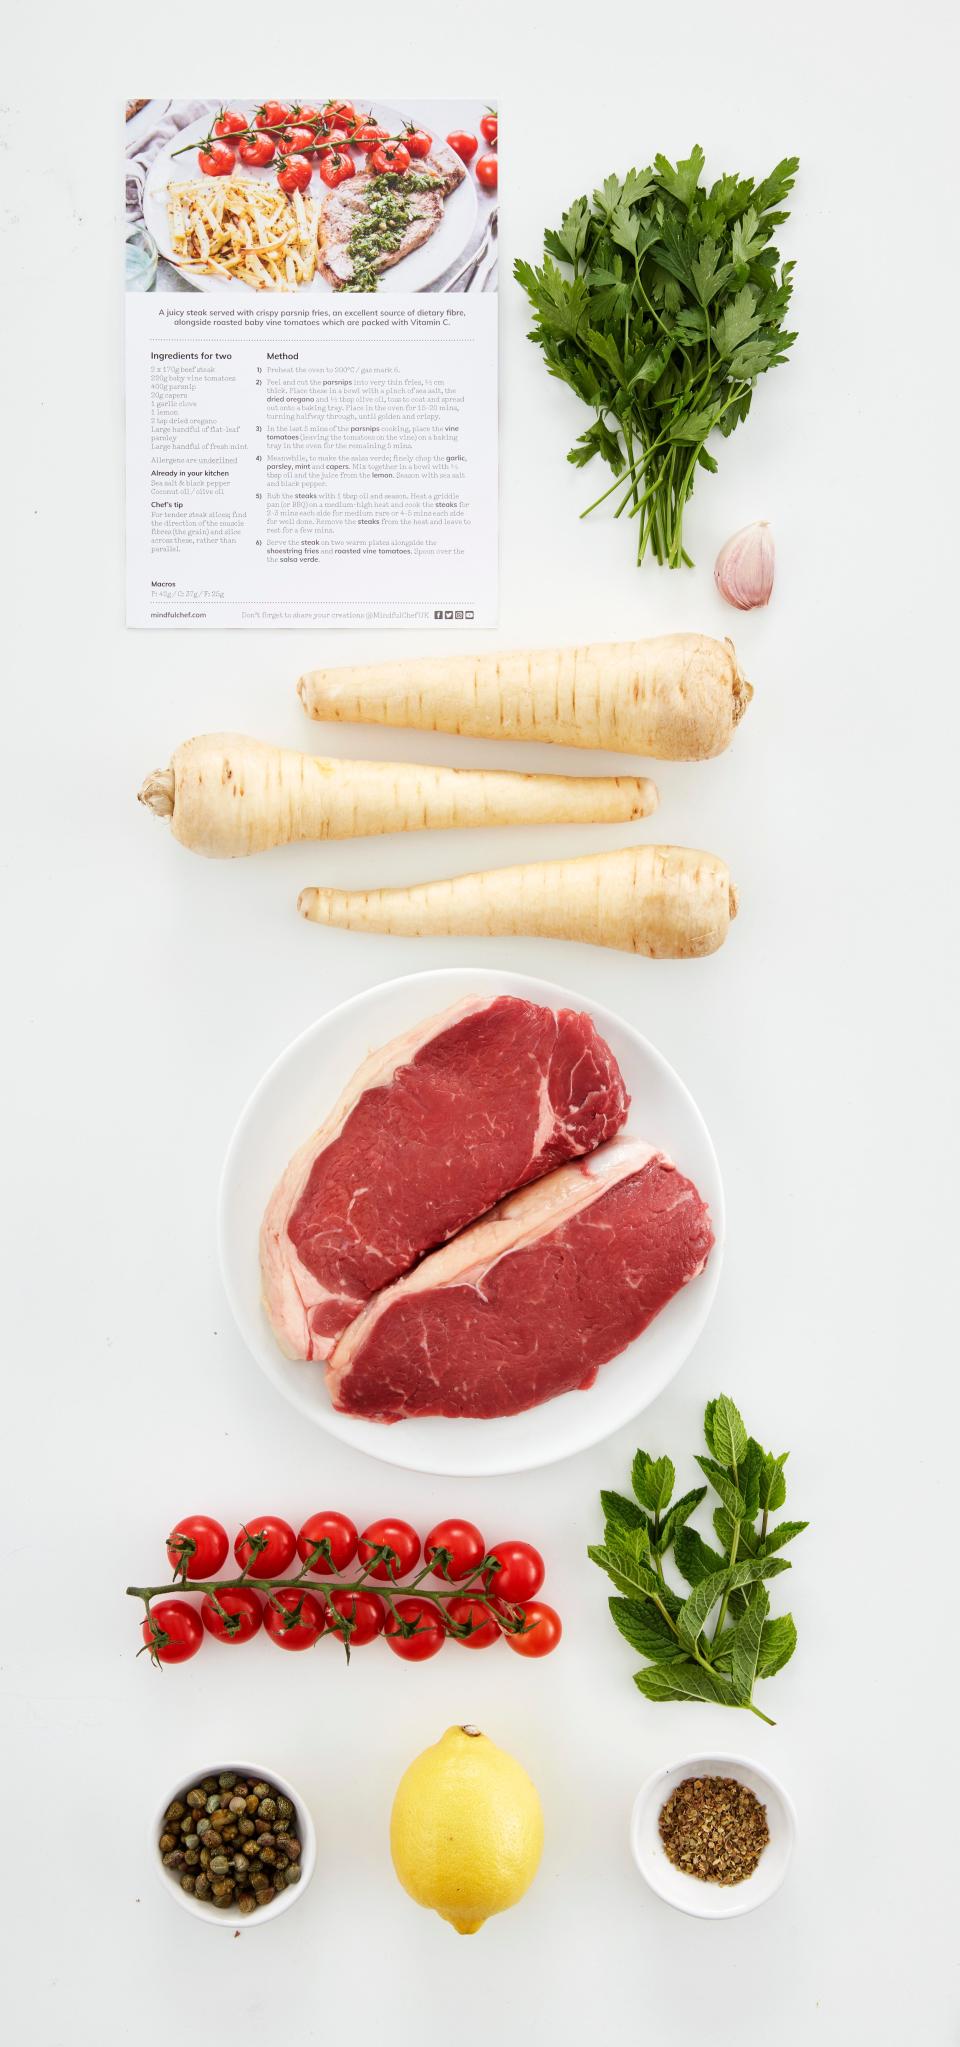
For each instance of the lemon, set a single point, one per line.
(466, 1831)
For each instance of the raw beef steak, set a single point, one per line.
(534, 1298)
(431, 1132)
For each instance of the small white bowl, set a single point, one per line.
(232, 1916)
(690, 1893)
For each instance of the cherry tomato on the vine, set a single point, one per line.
(301, 1622)
(242, 1604)
(521, 1572)
(294, 174)
(542, 1630)
(216, 159)
(257, 151)
(430, 1632)
(397, 1536)
(368, 135)
(196, 1546)
(473, 1614)
(298, 142)
(272, 114)
(338, 1531)
(390, 156)
(366, 1612)
(174, 1631)
(229, 123)
(307, 117)
(336, 166)
(274, 1555)
(417, 141)
(464, 1543)
(490, 126)
(487, 173)
(339, 114)
(465, 145)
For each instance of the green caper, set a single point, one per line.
(252, 1801)
(247, 1828)
(241, 1865)
(280, 1881)
(213, 1801)
(197, 1797)
(259, 1879)
(260, 1790)
(294, 1873)
(238, 1805)
(202, 1885)
(219, 1864)
(285, 1808)
(167, 1841)
(268, 1855)
(220, 1818)
(175, 1811)
(209, 1783)
(267, 1896)
(282, 1862)
(269, 1808)
(203, 1826)
(189, 1884)
(223, 1903)
(267, 1840)
(192, 1858)
(174, 1860)
(204, 1858)
(247, 1902)
(289, 1844)
(227, 1780)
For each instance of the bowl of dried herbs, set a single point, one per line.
(713, 1835)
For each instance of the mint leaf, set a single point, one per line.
(653, 1481)
(746, 1644)
(729, 1434)
(783, 1533)
(748, 1477)
(695, 1610)
(723, 1485)
(748, 1542)
(677, 1517)
(683, 1681)
(773, 1485)
(695, 1559)
(778, 1641)
(622, 1513)
(646, 1630)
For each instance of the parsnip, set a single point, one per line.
(665, 901)
(680, 697)
(226, 795)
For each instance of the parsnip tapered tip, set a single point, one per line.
(307, 903)
(158, 792)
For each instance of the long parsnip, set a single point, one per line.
(226, 795)
(667, 902)
(680, 697)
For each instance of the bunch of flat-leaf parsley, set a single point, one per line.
(718, 1639)
(669, 304)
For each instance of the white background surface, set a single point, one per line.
(147, 991)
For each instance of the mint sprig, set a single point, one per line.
(660, 302)
(717, 1639)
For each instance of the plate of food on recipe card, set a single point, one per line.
(337, 196)
(470, 1222)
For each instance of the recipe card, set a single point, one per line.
(311, 362)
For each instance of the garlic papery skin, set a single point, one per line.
(743, 571)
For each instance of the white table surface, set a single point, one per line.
(146, 992)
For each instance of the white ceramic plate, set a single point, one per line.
(687, 1893)
(291, 1101)
(417, 272)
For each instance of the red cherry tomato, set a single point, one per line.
(390, 156)
(228, 123)
(397, 1536)
(174, 1631)
(337, 165)
(339, 114)
(272, 114)
(340, 1536)
(274, 1554)
(430, 1632)
(243, 1605)
(301, 1622)
(361, 1614)
(294, 174)
(307, 117)
(298, 142)
(465, 145)
(196, 1546)
(487, 173)
(472, 1614)
(368, 135)
(216, 160)
(542, 1630)
(257, 151)
(418, 141)
(490, 127)
(521, 1572)
(464, 1543)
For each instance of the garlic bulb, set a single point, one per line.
(743, 572)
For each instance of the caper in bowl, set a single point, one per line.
(234, 1844)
